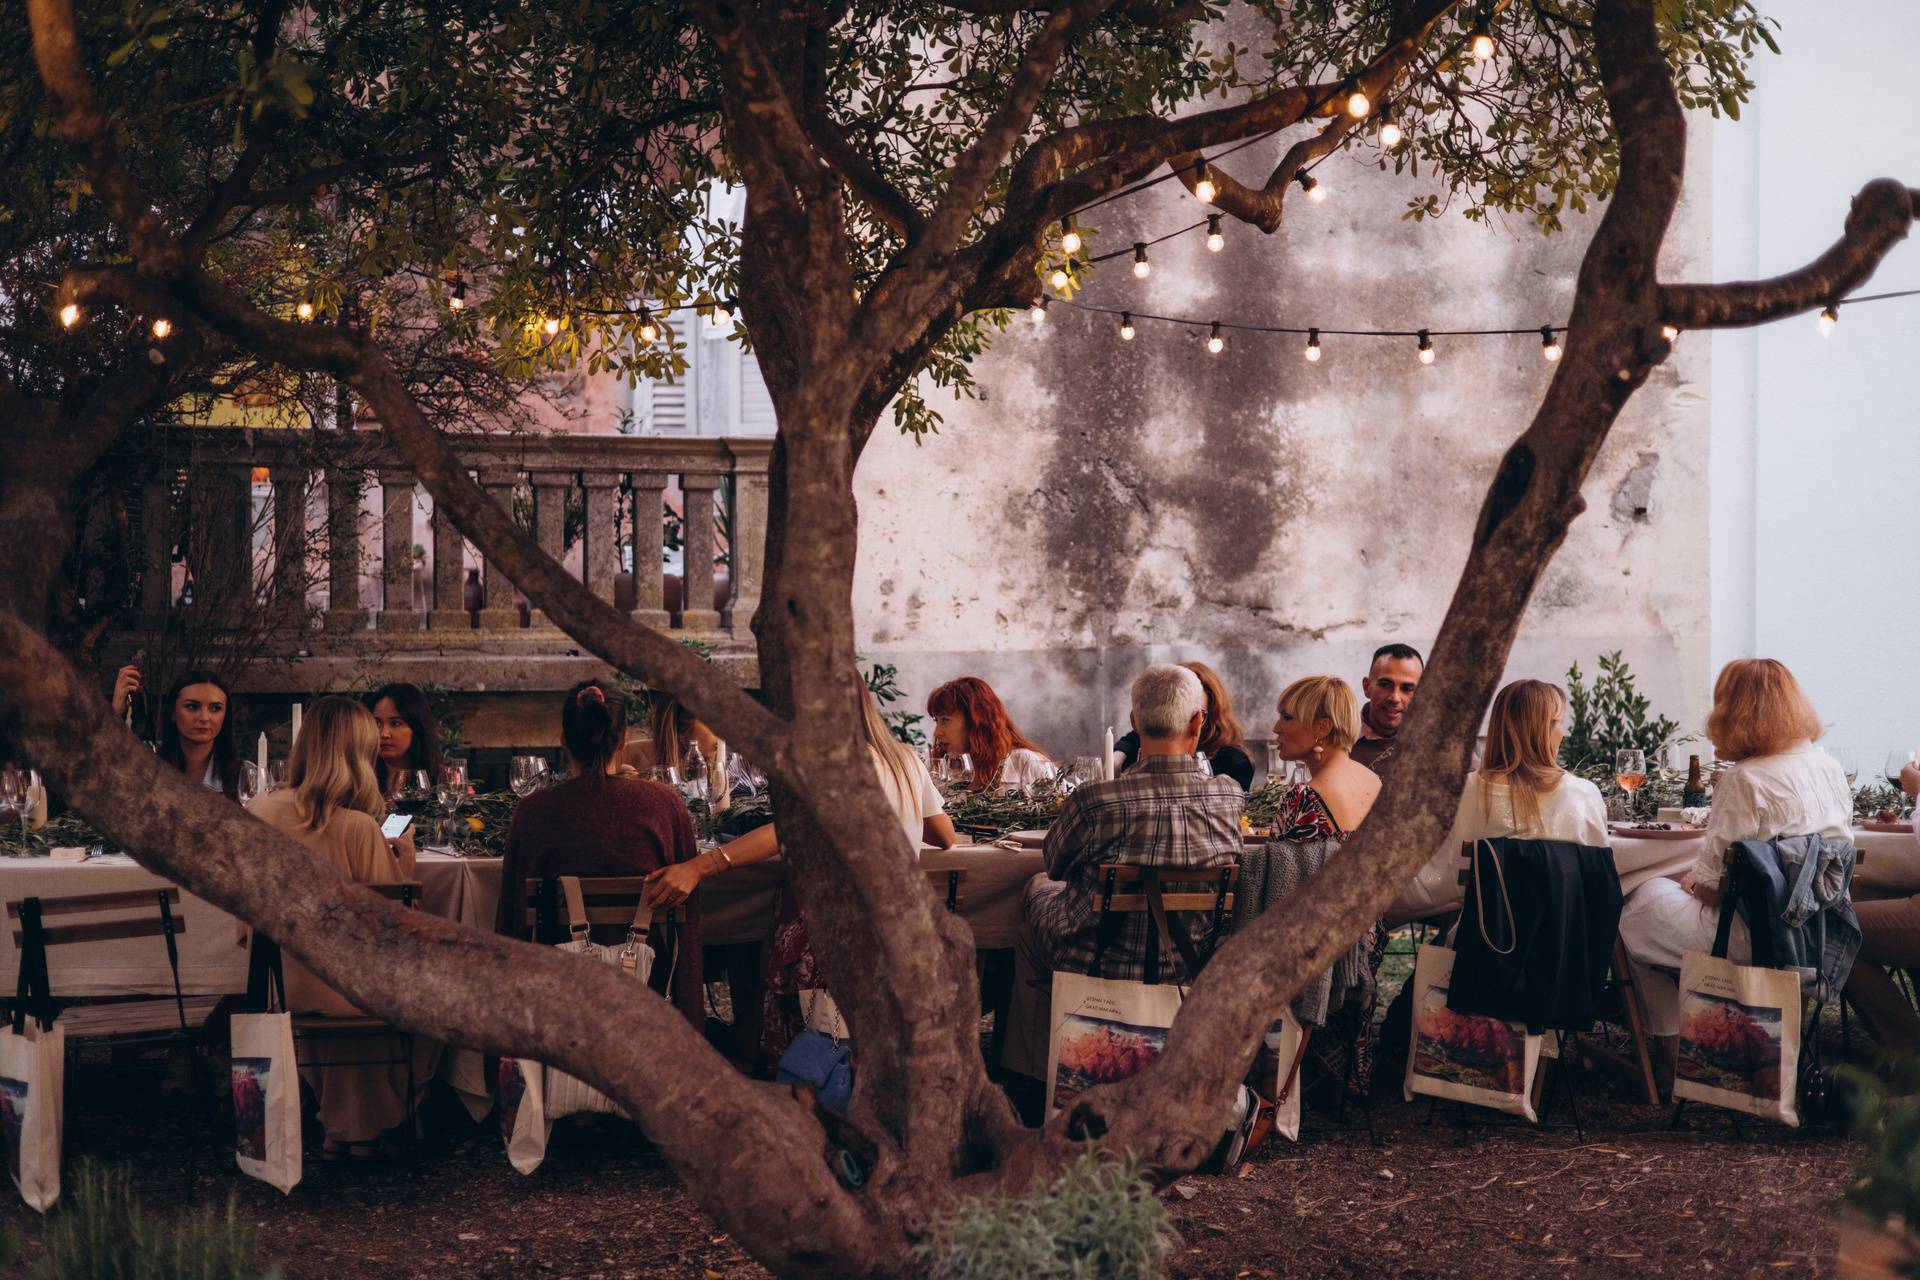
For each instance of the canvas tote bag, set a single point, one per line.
(548, 1093)
(266, 1079)
(1287, 1042)
(33, 1064)
(1739, 1037)
(1467, 1057)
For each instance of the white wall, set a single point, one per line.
(1815, 518)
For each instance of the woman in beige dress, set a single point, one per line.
(329, 805)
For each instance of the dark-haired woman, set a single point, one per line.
(409, 736)
(196, 732)
(601, 822)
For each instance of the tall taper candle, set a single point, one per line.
(1106, 757)
(295, 736)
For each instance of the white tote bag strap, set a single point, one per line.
(577, 926)
(637, 932)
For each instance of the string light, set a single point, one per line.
(1203, 188)
(1425, 350)
(70, 315)
(649, 331)
(1059, 278)
(1483, 46)
(304, 310)
(1669, 332)
(1359, 105)
(162, 327)
(1549, 345)
(1216, 343)
(1038, 311)
(722, 315)
(459, 298)
(1069, 238)
(1126, 326)
(551, 326)
(1390, 135)
(1215, 241)
(1141, 267)
(1316, 190)
(1828, 318)
(1313, 346)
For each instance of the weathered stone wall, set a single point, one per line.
(1106, 504)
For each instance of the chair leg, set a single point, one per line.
(1565, 1072)
(1636, 1022)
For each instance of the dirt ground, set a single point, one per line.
(1633, 1199)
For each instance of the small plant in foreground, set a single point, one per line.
(102, 1233)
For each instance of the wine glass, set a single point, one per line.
(13, 801)
(1897, 760)
(276, 774)
(1276, 764)
(957, 768)
(250, 783)
(1849, 764)
(1630, 771)
(525, 775)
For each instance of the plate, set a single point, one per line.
(1902, 828)
(1655, 833)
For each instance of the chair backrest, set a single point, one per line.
(408, 893)
(33, 937)
(1492, 967)
(609, 900)
(1126, 888)
(948, 883)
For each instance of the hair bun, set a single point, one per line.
(592, 693)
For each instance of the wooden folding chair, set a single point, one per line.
(141, 1022)
(1163, 895)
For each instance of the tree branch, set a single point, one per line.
(1878, 219)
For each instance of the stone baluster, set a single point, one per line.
(499, 613)
(224, 512)
(156, 558)
(289, 546)
(396, 550)
(343, 550)
(749, 549)
(550, 491)
(649, 505)
(698, 613)
(602, 558)
(449, 576)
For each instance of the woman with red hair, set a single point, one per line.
(969, 719)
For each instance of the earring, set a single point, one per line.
(1318, 750)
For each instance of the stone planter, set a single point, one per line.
(1875, 1251)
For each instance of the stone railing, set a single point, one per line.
(314, 576)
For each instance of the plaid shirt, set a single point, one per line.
(1161, 813)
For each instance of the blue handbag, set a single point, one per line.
(821, 1063)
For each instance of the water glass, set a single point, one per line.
(525, 775)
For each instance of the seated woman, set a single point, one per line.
(1781, 784)
(790, 966)
(1889, 939)
(196, 732)
(601, 822)
(1223, 741)
(1520, 790)
(329, 805)
(409, 736)
(969, 719)
(677, 735)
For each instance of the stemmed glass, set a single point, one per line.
(1630, 771)
(956, 768)
(276, 774)
(526, 774)
(13, 798)
(1897, 760)
(250, 783)
(452, 793)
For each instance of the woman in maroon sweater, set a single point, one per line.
(600, 822)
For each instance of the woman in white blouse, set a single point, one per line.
(1520, 790)
(1781, 784)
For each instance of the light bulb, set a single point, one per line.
(1483, 47)
(304, 311)
(1549, 345)
(70, 315)
(1038, 311)
(1390, 135)
(1203, 188)
(1069, 238)
(1126, 326)
(162, 327)
(1669, 332)
(1316, 190)
(1215, 343)
(1215, 241)
(649, 331)
(1313, 346)
(1059, 278)
(459, 298)
(1141, 267)
(1359, 104)
(1425, 350)
(551, 326)
(722, 316)
(1827, 319)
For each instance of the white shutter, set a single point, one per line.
(756, 405)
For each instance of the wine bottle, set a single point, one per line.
(1695, 795)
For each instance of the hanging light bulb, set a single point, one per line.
(1038, 311)
(1483, 46)
(1126, 326)
(70, 315)
(304, 310)
(1216, 343)
(551, 326)
(1425, 350)
(162, 327)
(722, 315)
(1390, 135)
(1069, 238)
(1203, 188)
(459, 298)
(1215, 241)
(649, 331)
(1313, 346)
(1549, 345)
(1059, 279)
(1316, 190)
(1827, 319)
(1141, 267)
(1359, 105)
(1669, 332)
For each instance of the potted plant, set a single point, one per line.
(1877, 1235)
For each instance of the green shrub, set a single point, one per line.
(1098, 1221)
(102, 1233)
(1608, 717)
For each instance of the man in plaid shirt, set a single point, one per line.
(1164, 812)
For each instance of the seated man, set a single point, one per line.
(1388, 691)
(1163, 813)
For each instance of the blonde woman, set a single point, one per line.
(1319, 719)
(328, 805)
(1781, 784)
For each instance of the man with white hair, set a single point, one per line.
(1165, 812)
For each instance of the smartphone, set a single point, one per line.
(396, 825)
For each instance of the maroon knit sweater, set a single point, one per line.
(620, 827)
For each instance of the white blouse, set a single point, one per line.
(915, 808)
(1795, 793)
(1573, 811)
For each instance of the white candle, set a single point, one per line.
(295, 735)
(1106, 757)
(262, 754)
